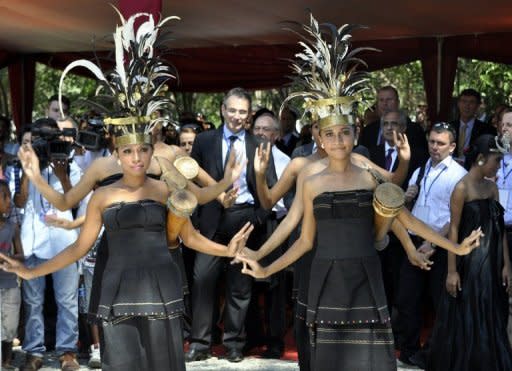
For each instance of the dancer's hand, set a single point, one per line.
(238, 241)
(234, 168)
(506, 277)
(12, 265)
(453, 283)
(229, 197)
(421, 258)
(402, 144)
(252, 267)
(29, 160)
(262, 158)
(248, 253)
(470, 242)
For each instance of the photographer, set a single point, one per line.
(42, 242)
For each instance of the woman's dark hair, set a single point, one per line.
(484, 145)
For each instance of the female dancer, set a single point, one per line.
(347, 310)
(140, 296)
(470, 330)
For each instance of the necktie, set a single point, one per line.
(462, 139)
(389, 159)
(231, 139)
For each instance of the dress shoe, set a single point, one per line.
(234, 355)
(32, 363)
(419, 359)
(196, 355)
(68, 362)
(406, 362)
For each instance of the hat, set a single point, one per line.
(326, 73)
(132, 96)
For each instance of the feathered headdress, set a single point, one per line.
(130, 96)
(326, 72)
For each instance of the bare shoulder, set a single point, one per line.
(314, 167)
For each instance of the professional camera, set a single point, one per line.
(49, 146)
(93, 137)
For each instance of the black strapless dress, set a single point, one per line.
(140, 295)
(347, 310)
(102, 258)
(470, 330)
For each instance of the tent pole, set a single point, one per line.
(439, 73)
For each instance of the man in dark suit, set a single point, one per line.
(289, 137)
(388, 100)
(211, 150)
(467, 127)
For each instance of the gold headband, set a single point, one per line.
(138, 138)
(335, 120)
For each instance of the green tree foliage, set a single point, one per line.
(493, 80)
(47, 84)
(407, 79)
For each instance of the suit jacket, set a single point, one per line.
(479, 128)
(415, 134)
(378, 156)
(207, 151)
(290, 146)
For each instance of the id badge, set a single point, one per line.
(422, 212)
(503, 197)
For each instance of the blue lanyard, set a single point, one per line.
(505, 176)
(427, 191)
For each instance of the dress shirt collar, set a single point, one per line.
(227, 133)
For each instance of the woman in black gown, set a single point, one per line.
(140, 299)
(470, 330)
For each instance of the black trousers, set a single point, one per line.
(416, 288)
(207, 272)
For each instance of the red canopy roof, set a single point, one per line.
(224, 43)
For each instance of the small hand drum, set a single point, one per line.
(187, 166)
(181, 205)
(388, 200)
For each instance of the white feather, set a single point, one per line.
(120, 57)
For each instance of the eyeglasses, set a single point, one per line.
(391, 123)
(265, 129)
(444, 126)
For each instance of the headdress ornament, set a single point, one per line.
(130, 96)
(326, 73)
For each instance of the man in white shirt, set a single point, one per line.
(430, 189)
(42, 242)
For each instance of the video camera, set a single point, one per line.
(49, 146)
(93, 137)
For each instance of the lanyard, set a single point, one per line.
(427, 191)
(505, 176)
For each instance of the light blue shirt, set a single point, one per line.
(37, 237)
(504, 182)
(244, 196)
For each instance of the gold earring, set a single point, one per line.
(322, 145)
